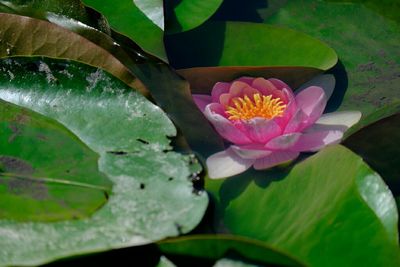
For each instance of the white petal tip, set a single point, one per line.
(225, 164)
(344, 118)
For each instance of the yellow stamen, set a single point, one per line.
(244, 108)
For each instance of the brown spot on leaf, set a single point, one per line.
(15, 165)
(28, 187)
(15, 132)
(22, 118)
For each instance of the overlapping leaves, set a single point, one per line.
(118, 124)
(267, 213)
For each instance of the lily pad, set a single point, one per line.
(355, 210)
(214, 247)
(47, 174)
(366, 42)
(126, 18)
(247, 44)
(152, 197)
(153, 9)
(185, 15)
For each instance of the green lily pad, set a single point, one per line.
(354, 210)
(126, 18)
(247, 44)
(365, 41)
(47, 173)
(153, 9)
(185, 15)
(152, 197)
(214, 247)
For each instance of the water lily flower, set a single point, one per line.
(267, 124)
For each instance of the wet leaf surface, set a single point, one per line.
(118, 124)
(355, 210)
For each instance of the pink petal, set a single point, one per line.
(201, 101)
(219, 89)
(290, 110)
(297, 122)
(289, 96)
(325, 81)
(275, 159)
(283, 142)
(316, 140)
(261, 130)
(216, 108)
(312, 102)
(264, 86)
(248, 80)
(279, 84)
(237, 89)
(226, 163)
(225, 99)
(342, 119)
(247, 153)
(225, 127)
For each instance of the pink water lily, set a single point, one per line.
(267, 124)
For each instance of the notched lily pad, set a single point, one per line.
(131, 137)
(46, 173)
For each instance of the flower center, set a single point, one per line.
(244, 108)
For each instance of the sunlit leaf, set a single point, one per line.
(152, 195)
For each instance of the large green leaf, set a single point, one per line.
(366, 42)
(328, 204)
(152, 197)
(153, 9)
(214, 247)
(179, 15)
(247, 44)
(184, 15)
(46, 173)
(126, 18)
